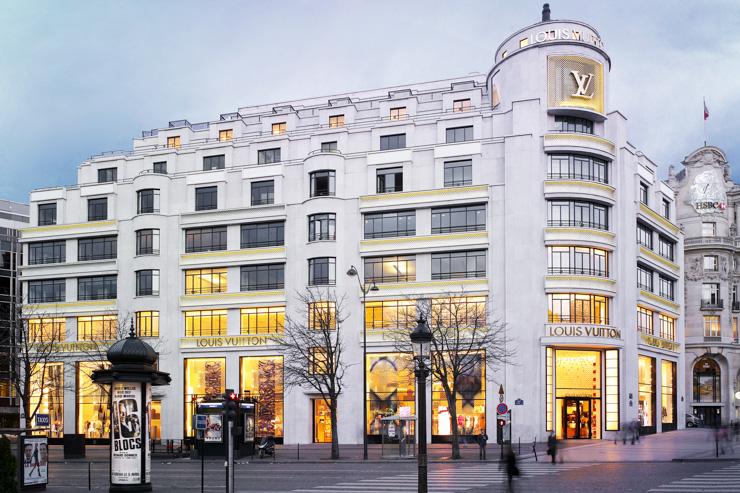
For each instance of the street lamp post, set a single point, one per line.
(421, 342)
(352, 272)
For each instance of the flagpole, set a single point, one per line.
(704, 114)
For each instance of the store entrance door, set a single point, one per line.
(577, 417)
(321, 422)
(710, 415)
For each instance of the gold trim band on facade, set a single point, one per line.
(596, 138)
(660, 219)
(581, 183)
(427, 284)
(61, 227)
(659, 299)
(416, 193)
(557, 229)
(242, 294)
(425, 238)
(73, 304)
(232, 253)
(559, 277)
(658, 258)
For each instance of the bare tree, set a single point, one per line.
(313, 351)
(466, 340)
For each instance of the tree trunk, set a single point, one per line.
(334, 436)
(452, 405)
(26, 398)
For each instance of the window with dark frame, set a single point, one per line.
(336, 121)
(147, 324)
(666, 247)
(644, 236)
(459, 219)
(47, 252)
(644, 320)
(97, 209)
(644, 278)
(205, 239)
(205, 281)
(330, 146)
(390, 142)
(214, 162)
(279, 128)
(160, 167)
(173, 142)
(390, 268)
(578, 260)
(666, 208)
(262, 277)
(578, 308)
(96, 288)
(206, 198)
(666, 288)
(398, 113)
(47, 291)
(262, 320)
(147, 201)
(47, 214)
(458, 173)
(577, 213)
(577, 167)
(323, 183)
(573, 124)
(460, 105)
(322, 227)
(225, 135)
(459, 265)
(263, 192)
(147, 242)
(459, 134)
(390, 224)
(147, 282)
(98, 248)
(644, 193)
(389, 180)
(322, 271)
(254, 235)
(106, 175)
(267, 156)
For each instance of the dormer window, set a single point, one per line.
(279, 128)
(225, 135)
(398, 113)
(336, 121)
(460, 105)
(106, 175)
(173, 142)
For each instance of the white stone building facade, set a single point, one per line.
(517, 189)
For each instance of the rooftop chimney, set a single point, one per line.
(546, 12)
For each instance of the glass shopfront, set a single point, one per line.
(261, 377)
(321, 422)
(390, 389)
(470, 403)
(93, 409)
(205, 378)
(47, 396)
(577, 393)
(646, 398)
(155, 430)
(668, 395)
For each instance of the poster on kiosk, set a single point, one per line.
(128, 437)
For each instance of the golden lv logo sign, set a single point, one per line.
(583, 81)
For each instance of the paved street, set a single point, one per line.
(681, 461)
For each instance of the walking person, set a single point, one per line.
(482, 442)
(552, 447)
(511, 468)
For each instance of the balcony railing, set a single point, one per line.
(712, 339)
(736, 306)
(578, 271)
(709, 240)
(712, 304)
(595, 177)
(577, 223)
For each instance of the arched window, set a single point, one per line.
(706, 381)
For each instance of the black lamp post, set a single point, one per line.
(352, 272)
(421, 344)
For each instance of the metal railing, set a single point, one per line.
(712, 304)
(712, 339)
(578, 224)
(578, 176)
(581, 271)
(709, 240)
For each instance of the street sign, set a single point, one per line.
(502, 408)
(199, 421)
(519, 402)
(42, 420)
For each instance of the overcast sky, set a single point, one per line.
(78, 78)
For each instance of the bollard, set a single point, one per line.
(520, 445)
(89, 475)
(299, 451)
(534, 449)
(716, 445)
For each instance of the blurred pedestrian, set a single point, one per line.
(482, 442)
(552, 447)
(511, 468)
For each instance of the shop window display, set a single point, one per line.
(668, 395)
(578, 394)
(93, 410)
(47, 396)
(390, 387)
(262, 378)
(470, 402)
(646, 384)
(205, 379)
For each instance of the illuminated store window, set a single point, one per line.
(646, 386)
(578, 308)
(205, 281)
(548, 388)
(225, 135)
(398, 113)
(155, 433)
(97, 328)
(668, 395)
(173, 142)
(397, 268)
(263, 320)
(667, 327)
(458, 312)
(205, 323)
(336, 121)
(390, 389)
(711, 326)
(318, 361)
(205, 379)
(645, 320)
(322, 314)
(460, 105)
(470, 402)
(279, 128)
(47, 330)
(577, 394)
(93, 410)
(321, 421)
(390, 314)
(707, 381)
(147, 324)
(261, 377)
(47, 392)
(611, 375)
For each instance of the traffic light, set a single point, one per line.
(231, 404)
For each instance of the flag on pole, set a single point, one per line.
(706, 110)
